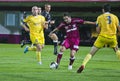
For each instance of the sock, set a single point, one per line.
(72, 59)
(55, 47)
(86, 59)
(38, 54)
(59, 56)
(33, 48)
(118, 54)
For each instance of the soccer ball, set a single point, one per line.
(53, 65)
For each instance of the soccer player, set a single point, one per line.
(70, 25)
(53, 36)
(36, 24)
(107, 25)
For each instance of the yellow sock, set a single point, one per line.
(38, 54)
(86, 59)
(33, 48)
(118, 54)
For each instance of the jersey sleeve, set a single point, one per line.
(60, 26)
(97, 22)
(78, 20)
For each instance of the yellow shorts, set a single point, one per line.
(37, 39)
(102, 41)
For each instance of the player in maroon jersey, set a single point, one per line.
(72, 40)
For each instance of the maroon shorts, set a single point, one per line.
(72, 43)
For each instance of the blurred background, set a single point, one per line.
(12, 11)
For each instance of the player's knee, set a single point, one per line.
(62, 49)
(53, 36)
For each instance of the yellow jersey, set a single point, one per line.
(108, 23)
(36, 27)
(35, 23)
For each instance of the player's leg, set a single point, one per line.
(59, 56)
(87, 58)
(40, 44)
(55, 42)
(65, 45)
(74, 46)
(22, 38)
(38, 53)
(89, 55)
(114, 45)
(98, 44)
(117, 51)
(72, 59)
(29, 48)
(22, 43)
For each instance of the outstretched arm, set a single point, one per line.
(56, 29)
(89, 22)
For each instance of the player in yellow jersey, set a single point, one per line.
(107, 25)
(36, 24)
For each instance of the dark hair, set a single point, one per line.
(66, 14)
(107, 7)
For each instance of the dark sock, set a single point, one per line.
(55, 47)
(71, 61)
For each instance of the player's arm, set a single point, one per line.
(25, 27)
(89, 22)
(24, 23)
(46, 25)
(118, 28)
(98, 29)
(56, 29)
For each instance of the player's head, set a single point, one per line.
(39, 10)
(47, 7)
(67, 17)
(106, 8)
(35, 10)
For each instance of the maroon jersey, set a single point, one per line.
(72, 29)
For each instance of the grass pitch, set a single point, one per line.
(17, 66)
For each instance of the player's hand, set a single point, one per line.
(52, 22)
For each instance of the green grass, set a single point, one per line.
(17, 66)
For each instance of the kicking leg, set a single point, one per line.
(87, 58)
